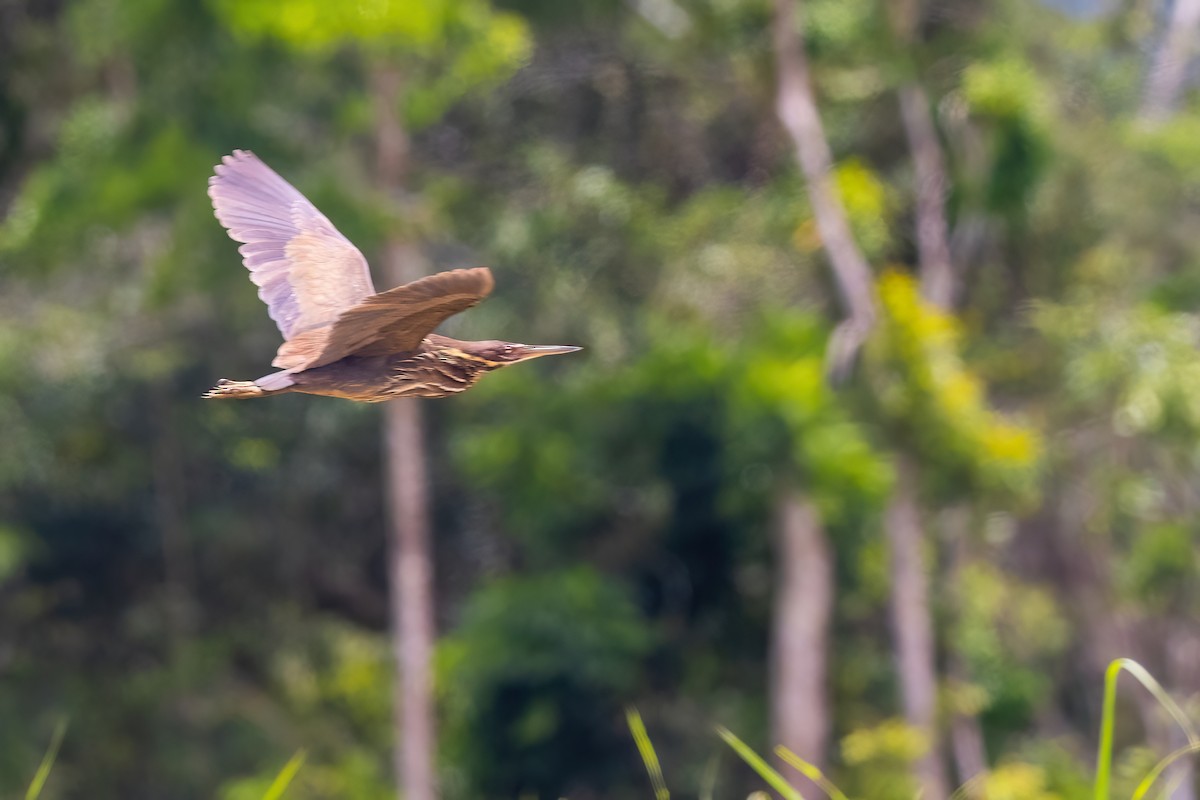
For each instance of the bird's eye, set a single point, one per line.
(507, 349)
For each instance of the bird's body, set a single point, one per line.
(341, 338)
(440, 367)
(437, 369)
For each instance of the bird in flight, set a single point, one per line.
(341, 338)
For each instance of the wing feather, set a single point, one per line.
(307, 272)
(394, 321)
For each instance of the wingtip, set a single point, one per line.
(486, 272)
(232, 159)
(221, 171)
(481, 272)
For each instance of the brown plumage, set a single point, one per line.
(340, 337)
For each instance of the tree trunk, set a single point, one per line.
(1170, 62)
(800, 637)
(970, 755)
(805, 592)
(938, 280)
(1159, 103)
(1181, 776)
(410, 575)
(797, 109)
(912, 623)
(410, 558)
(911, 613)
(966, 733)
(1182, 645)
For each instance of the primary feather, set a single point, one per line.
(306, 271)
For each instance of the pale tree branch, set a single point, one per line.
(939, 282)
(797, 110)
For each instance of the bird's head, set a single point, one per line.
(495, 353)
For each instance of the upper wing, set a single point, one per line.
(394, 321)
(307, 273)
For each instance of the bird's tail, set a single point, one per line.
(234, 390)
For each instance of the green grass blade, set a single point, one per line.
(646, 750)
(812, 772)
(285, 776)
(1161, 766)
(1104, 755)
(708, 784)
(43, 770)
(764, 770)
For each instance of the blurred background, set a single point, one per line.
(913, 576)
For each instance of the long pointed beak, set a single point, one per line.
(529, 351)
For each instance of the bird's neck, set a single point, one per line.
(458, 351)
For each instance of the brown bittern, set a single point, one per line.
(341, 338)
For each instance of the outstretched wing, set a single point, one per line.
(306, 271)
(394, 321)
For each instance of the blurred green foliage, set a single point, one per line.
(1004, 630)
(881, 756)
(938, 404)
(449, 48)
(537, 663)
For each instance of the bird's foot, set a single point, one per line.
(233, 390)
